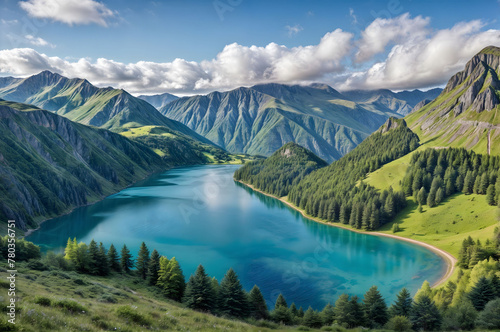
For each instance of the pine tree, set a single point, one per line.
(348, 312)
(439, 196)
(70, 251)
(170, 278)
(126, 261)
(425, 315)
(102, 261)
(300, 312)
(431, 198)
(468, 183)
(281, 314)
(402, 305)
(481, 293)
(113, 259)
(328, 315)
(258, 306)
(82, 259)
(233, 301)
(280, 302)
(490, 195)
(153, 267)
(422, 196)
(375, 308)
(199, 294)
(312, 319)
(93, 257)
(142, 262)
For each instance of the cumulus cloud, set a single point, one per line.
(38, 41)
(293, 30)
(71, 12)
(418, 57)
(234, 66)
(425, 59)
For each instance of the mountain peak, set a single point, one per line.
(491, 50)
(392, 123)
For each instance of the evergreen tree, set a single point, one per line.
(281, 314)
(93, 257)
(142, 262)
(70, 251)
(439, 196)
(490, 195)
(300, 312)
(102, 261)
(170, 278)
(258, 306)
(431, 198)
(199, 294)
(328, 315)
(375, 308)
(460, 317)
(481, 293)
(422, 196)
(425, 315)
(402, 305)
(348, 312)
(126, 261)
(82, 259)
(399, 324)
(280, 302)
(113, 259)
(489, 318)
(233, 301)
(312, 319)
(468, 183)
(153, 267)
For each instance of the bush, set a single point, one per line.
(131, 314)
(71, 306)
(4, 284)
(44, 301)
(108, 298)
(399, 323)
(6, 326)
(36, 264)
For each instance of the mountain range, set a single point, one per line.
(260, 119)
(160, 100)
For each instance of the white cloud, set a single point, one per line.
(38, 41)
(353, 16)
(419, 57)
(424, 59)
(71, 12)
(234, 66)
(382, 32)
(293, 30)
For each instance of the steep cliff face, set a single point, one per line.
(466, 112)
(49, 164)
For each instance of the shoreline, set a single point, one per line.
(447, 257)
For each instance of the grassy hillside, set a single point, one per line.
(91, 303)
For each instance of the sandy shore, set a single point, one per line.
(450, 260)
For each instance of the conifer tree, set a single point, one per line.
(490, 195)
(70, 251)
(481, 293)
(199, 294)
(425, 315)
(233, 300)
(402, 305)
(328, 315)
(258, 306)
(281, 313)
(126, 261)
(142, 262)
(153, 267)
(102, 261)
(170, 278)
(375, 308)
(93, 257)
(113, 259)
(312, 319)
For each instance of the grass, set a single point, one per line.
(390, 174)
(67, 301)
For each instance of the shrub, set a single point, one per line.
(36, 264)
(44, 301)
(489, 318)
(399, 323)
(71, 306)
(108, 298)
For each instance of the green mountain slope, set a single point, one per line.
(281, 171)
(160, 100)
(259, 120)
(80, 101)
(466, 113)
(49, 164)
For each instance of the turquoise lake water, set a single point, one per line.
(201, 216)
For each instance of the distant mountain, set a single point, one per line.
(401, 102)
(159, 101)
(281, 171)
(49, 164)
(465, 114)
(260, 119)
(80, 101)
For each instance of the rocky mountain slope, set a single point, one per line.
(49, 164)
(260, 119)
(160, 100)
(466, 113)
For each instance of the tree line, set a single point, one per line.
(337, 193)
(435, 174)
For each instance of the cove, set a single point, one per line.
(201, 216)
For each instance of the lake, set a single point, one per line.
(201, 216)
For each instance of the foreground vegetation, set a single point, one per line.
(92, 288)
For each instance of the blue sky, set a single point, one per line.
(128, 33)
